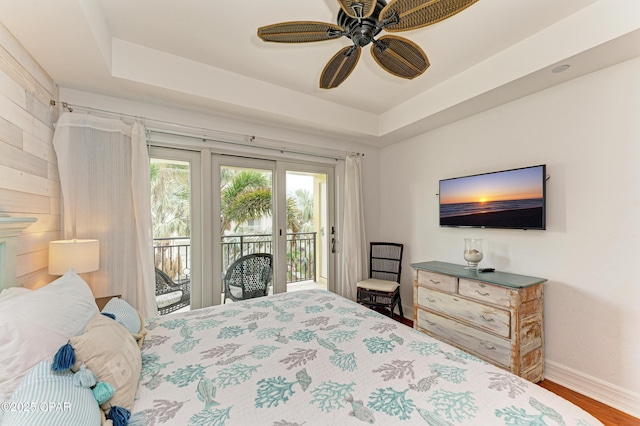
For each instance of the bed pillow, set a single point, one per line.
(107, 349)
(10, 293)
(34, 325)
(128, 317)
(51, 398)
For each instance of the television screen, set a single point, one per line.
(507, 199)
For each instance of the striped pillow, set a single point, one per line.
(125, 314)
(49, 398)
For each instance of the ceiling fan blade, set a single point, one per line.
(299, 32)
(399, 56)
(339, 67)
(367, 7)
(414, 14)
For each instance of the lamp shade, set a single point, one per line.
(79, 255)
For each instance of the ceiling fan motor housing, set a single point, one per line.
(363, 31)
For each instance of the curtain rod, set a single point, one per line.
(248, 139)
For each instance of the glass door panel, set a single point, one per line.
(246, 225)
(308, 236)
(176, 260)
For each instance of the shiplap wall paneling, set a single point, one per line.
(29, 181)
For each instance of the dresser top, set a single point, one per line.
(499, 278)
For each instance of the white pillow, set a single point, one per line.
(35, 325)
(11, 292)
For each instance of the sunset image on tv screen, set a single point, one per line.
(507, 199)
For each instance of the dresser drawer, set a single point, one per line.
(438, 281)
(486, 317)
(486, 292)
(491, 347)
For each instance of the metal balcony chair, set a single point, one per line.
(248, 277)
(170, 295)
(382, 288)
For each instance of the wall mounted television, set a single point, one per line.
(511, 199)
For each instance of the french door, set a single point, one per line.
(215, 208)
(295, 227)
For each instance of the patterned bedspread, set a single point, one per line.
(315, 358)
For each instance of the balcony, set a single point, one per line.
(173, 255)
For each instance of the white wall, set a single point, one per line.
(587, 131)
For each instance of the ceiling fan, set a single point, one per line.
(357, 21)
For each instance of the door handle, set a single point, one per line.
(333, 245)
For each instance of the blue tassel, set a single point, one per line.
(85, 378)
(119, 416)
(64, 358)
(103, 392)
(108, 314)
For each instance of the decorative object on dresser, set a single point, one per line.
(382, 289)
(495, 316)
(472, 252)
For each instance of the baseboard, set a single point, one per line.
(611, 395)
(407, 311)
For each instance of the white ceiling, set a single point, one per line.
(205, 56)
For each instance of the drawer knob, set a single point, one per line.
(482, 285)
(431, 300)
(487, 319)
(487, 346)
(481, 293)
(434, 282)
(430, 322)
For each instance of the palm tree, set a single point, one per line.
(170, 211)
(246, 195)
(304, 201)
(170, 199)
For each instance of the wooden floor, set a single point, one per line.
(607, 415)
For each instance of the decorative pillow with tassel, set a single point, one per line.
(107, 349)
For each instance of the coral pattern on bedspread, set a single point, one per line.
(315, 358)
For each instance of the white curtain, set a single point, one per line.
(355, 265)
(104, 175)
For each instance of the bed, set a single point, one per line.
(315, 358)
(308, 357)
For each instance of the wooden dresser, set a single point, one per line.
(495, 316)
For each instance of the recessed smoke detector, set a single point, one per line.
(560, 68)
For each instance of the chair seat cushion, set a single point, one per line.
(164, 300)
(378, 285)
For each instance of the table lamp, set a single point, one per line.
(79, 255)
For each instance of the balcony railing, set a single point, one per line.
(173, 255)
